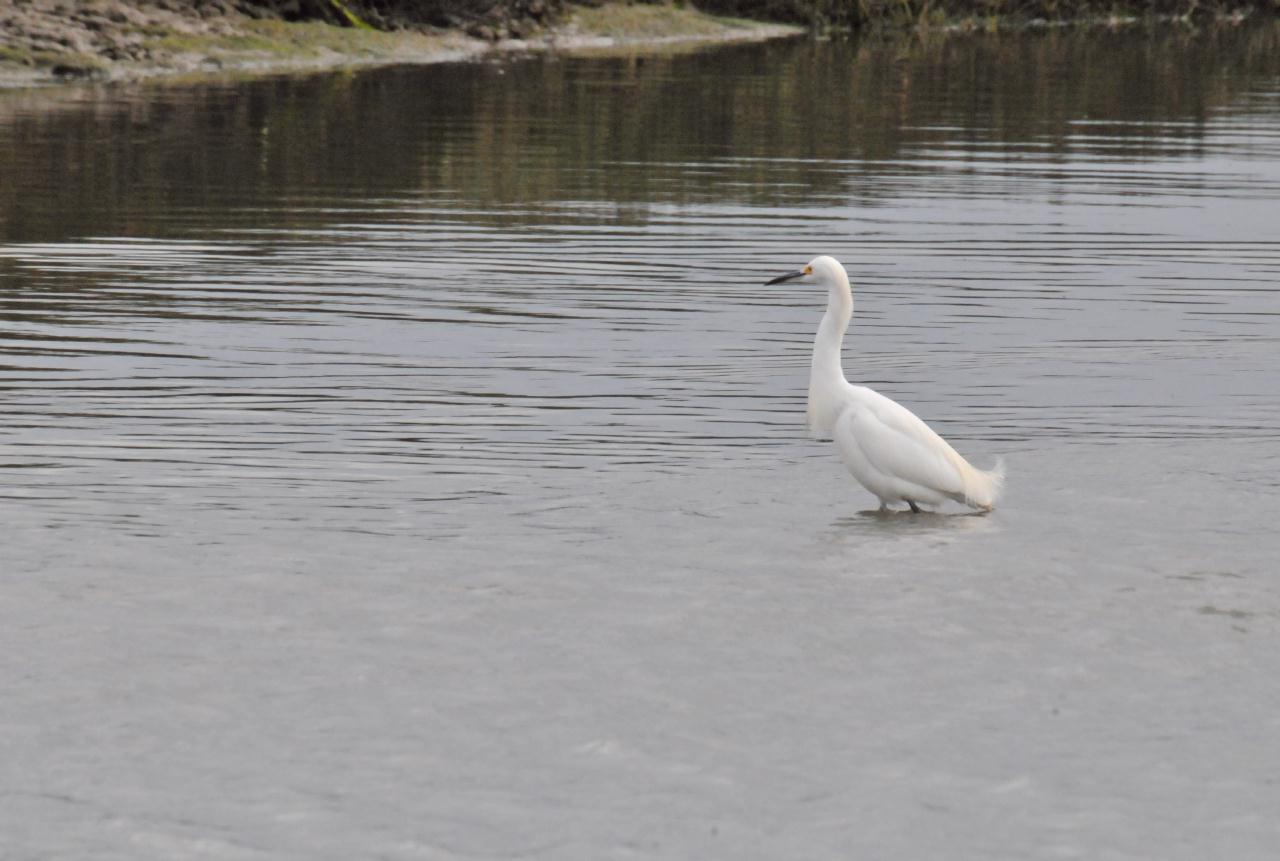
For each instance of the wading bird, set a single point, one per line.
(886, 447)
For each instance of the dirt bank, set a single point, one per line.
(50, 40)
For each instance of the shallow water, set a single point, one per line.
(411, 464)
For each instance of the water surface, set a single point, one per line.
(411, 463)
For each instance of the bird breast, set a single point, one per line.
(827, 400)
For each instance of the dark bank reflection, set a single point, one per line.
(754, 124)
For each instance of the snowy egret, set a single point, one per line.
(886, 447)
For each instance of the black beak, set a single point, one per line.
(790, 276)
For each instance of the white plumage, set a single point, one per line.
(886, 447)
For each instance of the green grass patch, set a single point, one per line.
(653, 21)
(16, 56)
(281, 40)
(68, 64)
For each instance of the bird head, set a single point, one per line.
(823, 270)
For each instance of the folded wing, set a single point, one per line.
(897, 443)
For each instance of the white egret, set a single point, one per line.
(886, 447)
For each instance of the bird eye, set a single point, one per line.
(808, 270)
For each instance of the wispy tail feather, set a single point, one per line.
(982, 487)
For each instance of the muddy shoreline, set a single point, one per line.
(57, 41)
(111, 40)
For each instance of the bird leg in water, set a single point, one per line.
(915, 509)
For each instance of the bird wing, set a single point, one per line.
(897, 443)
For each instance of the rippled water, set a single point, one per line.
(412, 464)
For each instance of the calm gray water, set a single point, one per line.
(410, 464)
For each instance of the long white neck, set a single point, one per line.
(826, 375)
